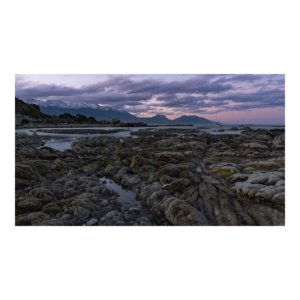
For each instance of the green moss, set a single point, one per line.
(224, 172)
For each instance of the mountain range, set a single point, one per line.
(57, 107)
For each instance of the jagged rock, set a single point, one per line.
(179, 212)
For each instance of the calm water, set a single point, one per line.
(127, 198)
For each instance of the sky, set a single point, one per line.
(231, 99)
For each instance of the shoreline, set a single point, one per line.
(177, 179)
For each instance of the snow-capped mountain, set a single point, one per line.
(61, 104)
(57, 107)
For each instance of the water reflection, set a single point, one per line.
(127, 198)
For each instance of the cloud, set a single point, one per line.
(202, 94)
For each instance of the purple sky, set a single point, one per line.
(231, 99)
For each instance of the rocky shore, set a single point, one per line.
(185, 178)
(80, 131)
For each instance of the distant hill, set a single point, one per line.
(27, 113)
(57, 107)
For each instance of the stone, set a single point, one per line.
(179, 212)
(154, 177)
(224, 168)
(189, 153)
(138, 162)
(96, 189)
(134, 209)
(263, 136)
(104, 203)
(81, 213)
(131, 181)
(176, 186)
(92, 222)
(31, 204)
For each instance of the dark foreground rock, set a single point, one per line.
(191, 179)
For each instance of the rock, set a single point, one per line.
(143, 221)
(124, 170)
(107, 191)
(131, 181)
(138, 162)
(134, 209)
(129, 217)
(255, 146)
(113, 168)
(81, 213)
(176, 186)
(166, 179)
(173, 170)
(154, 177)
(51, 208)
(92, 222)
(96, 189)
(66, 216)
(179, 212)
(224, 168)
(37, 218)
(189, 153)
(262, 136)
(113, 218)
(198, 145)
(31, 204)
(242, 180)
(104, 203)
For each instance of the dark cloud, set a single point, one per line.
(239, 78)
(275, 96)
(206, 94)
